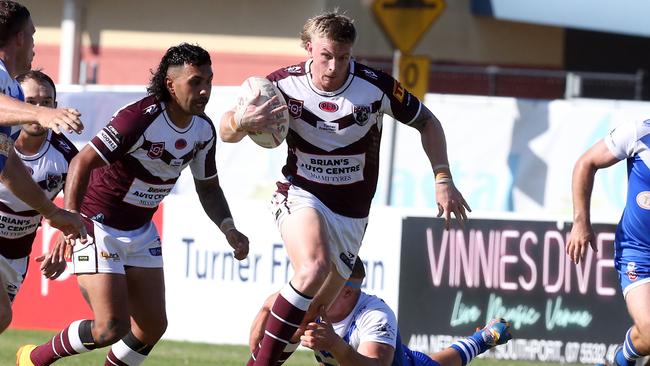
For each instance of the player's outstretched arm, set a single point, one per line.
(216, 207)
(16, 178)
(584, 171)
(449, 199)
(15, 112)
(53, 264)
(321, 336)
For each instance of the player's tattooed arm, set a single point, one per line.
(212, 199)
(216, 207)
(449, 200)
(425, 116)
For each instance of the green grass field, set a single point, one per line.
(169, 353)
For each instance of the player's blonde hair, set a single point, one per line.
(331, 25)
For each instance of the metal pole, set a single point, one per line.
(638, 84)
(69, 54)
(393, 136)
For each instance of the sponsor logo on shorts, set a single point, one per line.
(295, 107)
(643, 200)
(108, 141)
(106, 255)
(631, 271)
(155, 252)
(99, 218)
(83, 258)
(156, 150)
(348, 259)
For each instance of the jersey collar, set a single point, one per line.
(326, 93)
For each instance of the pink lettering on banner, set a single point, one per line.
(506, 261)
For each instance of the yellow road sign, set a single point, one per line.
(406, 21)
(414, 74)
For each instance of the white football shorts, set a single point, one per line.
(12, 273)
(112, 250)
(344, 234)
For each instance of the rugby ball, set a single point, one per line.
(267, 90)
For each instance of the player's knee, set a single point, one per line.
(109, 331)
(314, 272)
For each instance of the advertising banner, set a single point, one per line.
(453, 281)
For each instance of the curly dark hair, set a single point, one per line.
(13, 17)
(184, 53)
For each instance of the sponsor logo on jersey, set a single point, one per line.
(83, 258)
(631, 271)
(176, 163)
(156, 150)
(152, 109)
(5, 144)
(155, 252)
(295, 69)
(107, 139)
(361, 114)
(369, 73)
(180, 144)
(348, 259)
(114, 134)
(53, 181)
(398, 91)
(106, 255)
(330, 127)
(328, 106)
(64, 146)
(643, 200)
(295, 107)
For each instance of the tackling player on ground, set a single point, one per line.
(361, 330)
(331, 172)
(47, 156)
(117, 182)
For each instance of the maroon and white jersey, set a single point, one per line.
(145, 153)
(334, 137)
(18, 221)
